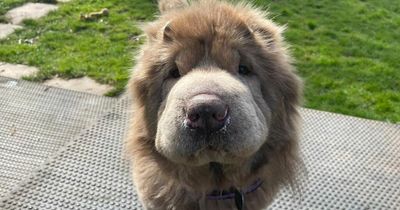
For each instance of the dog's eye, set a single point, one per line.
(174, 73)
(244, 70)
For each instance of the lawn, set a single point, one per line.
(65, 46)
(347, 51)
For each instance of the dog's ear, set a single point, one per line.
(246, 31)
(270, 33)
(167, 32)
(266, 35)
(153, 31)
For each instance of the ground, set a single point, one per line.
(6, 5)
(347, 51)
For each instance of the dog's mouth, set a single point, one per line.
(213, 148)
(207, 155)
(216, 148)
(195, 147)
(215, 141)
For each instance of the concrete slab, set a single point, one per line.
(16, 71)
(37, 121)
(29, 11)
(84, 84)
(351, 163)
(7, 29)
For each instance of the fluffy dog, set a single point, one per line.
(215, 109)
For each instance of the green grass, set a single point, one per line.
(68, 47)
(347, 51)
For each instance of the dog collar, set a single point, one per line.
(234, 193)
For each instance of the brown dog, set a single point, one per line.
(215, 109)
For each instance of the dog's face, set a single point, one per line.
(215, 85)
(212, 107)
(212, 114)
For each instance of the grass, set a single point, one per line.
(70, 48)
(347, 51)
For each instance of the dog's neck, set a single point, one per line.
(221, 181)
(258, 160)
(217, 172)
(238, 195)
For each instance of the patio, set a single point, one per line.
(61, 149)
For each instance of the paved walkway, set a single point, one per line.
(29, 11)
(351, 163)
(16, 16)
(16, 71)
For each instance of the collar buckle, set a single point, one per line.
(234, 193)
(239, 199)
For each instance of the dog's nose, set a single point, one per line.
(206, 112)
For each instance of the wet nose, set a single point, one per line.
(206, 112)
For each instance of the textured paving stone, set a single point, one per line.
(84, 84)
(29, 11)
(7, 29)
(16, 71)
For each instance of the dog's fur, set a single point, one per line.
(206, 41)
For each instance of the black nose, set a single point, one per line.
(206, 112)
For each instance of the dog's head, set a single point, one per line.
(215, 84)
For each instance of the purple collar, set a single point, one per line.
(232, 193)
